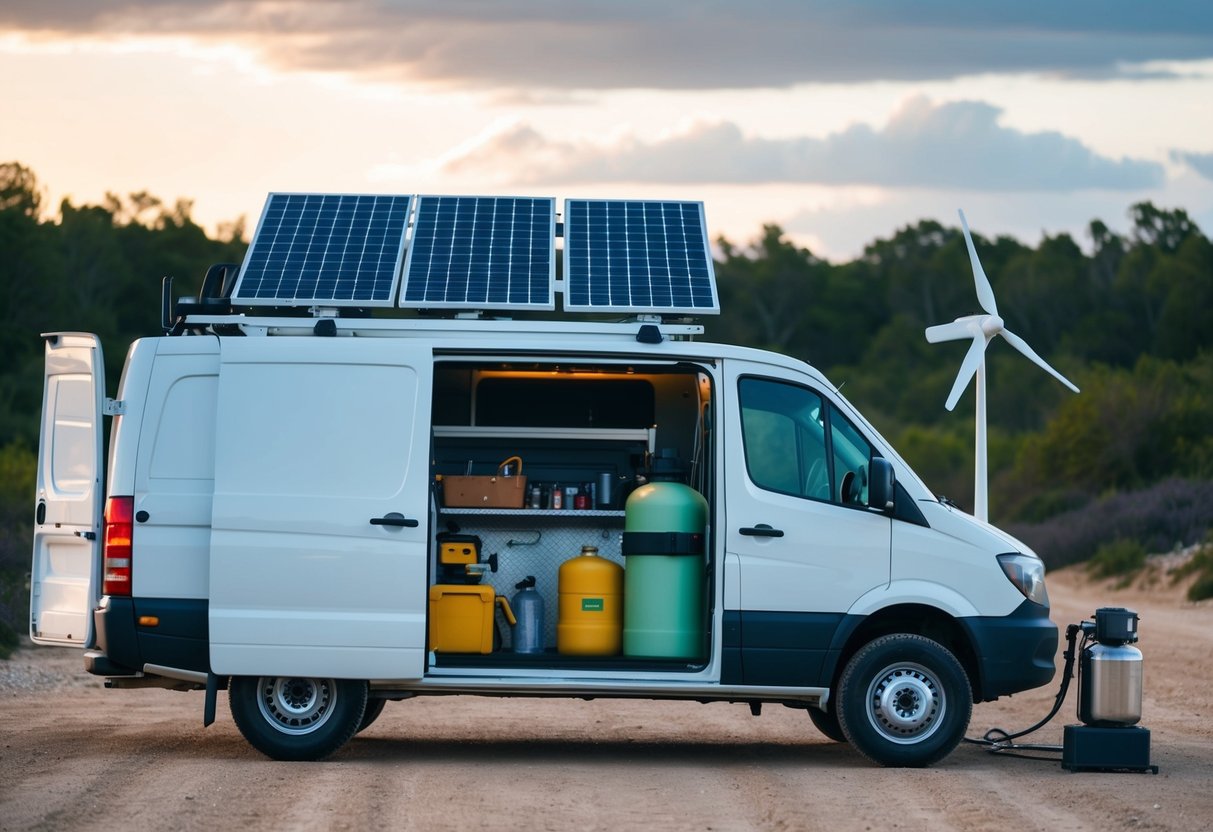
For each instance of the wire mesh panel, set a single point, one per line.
(537, 544)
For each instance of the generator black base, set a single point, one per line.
(1088, 748)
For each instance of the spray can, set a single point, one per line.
(528, 610)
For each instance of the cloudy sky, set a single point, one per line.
(840, 121)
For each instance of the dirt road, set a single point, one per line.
(74, 755)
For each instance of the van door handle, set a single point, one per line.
(394, 518)
(761, 530)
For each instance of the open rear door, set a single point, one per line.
(65, 576)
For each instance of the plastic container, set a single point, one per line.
(461, 618)
(663, 542)
(591, 606)
(528, 610)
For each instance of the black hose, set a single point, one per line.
(997, 740)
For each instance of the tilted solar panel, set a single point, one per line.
(325, 250)
(637, 256)
(474, 252)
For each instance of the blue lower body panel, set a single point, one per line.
(1014, 652)
(1010, 653)
(784, 649)
(178, 639)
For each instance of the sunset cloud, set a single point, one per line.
(958, 145)
(639, 44)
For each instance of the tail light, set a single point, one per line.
(116, 553)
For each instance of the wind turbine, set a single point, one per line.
(981, 329)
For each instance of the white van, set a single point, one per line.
(283, 489)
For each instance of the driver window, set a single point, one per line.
(783, 430)
(852, 455)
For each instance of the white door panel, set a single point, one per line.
(796, 553)
(66, 569)
(314, 441)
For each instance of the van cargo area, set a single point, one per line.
(590, 431)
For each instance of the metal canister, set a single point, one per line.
(1110, 685)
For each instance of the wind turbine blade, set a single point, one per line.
(985, 292)
(968, 368)
(1022, 345)
(949, 332)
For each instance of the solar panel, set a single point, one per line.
(475, 252)
(634, 256)
(325, 249)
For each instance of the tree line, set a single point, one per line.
(1129, 320)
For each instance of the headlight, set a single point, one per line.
(1028, 575)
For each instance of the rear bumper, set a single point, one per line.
(1014, 652)
(179, 638)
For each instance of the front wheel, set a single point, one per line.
(904, 700)
(295, 718)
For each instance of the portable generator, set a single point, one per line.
(1109, 697)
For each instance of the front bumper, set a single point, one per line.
(1014, 652)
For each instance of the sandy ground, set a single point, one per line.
(73, 754)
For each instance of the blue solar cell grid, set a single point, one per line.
(325, 249)
(470, 252)
(633, 256)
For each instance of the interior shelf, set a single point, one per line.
(535, 512)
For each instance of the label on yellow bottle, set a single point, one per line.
(591, 605)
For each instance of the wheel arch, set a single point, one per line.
(915, 618)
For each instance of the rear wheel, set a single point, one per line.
(374, 707)
(296, 718)
(827, 723)
(904, 700)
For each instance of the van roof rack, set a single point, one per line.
(640, 328)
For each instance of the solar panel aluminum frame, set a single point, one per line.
(387, 299)
(571, 259)
(549, 234)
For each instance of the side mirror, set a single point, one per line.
(880, 484)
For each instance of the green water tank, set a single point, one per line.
(665, 581)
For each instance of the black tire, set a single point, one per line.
(374, 707)
(827, 723)
(904, 700)
(296, 718)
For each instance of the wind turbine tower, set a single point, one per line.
(982, 329)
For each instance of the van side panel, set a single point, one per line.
(175, 473)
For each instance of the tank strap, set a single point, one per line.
(662, 543)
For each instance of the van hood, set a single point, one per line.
(957, 524)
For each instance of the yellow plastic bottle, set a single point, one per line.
(591, 606)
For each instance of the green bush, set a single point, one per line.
(1201, 565)
(8, 640)
(1120, 558)
(1203, 586)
